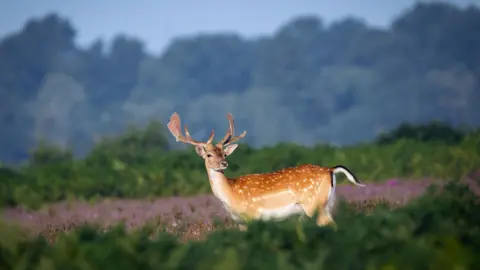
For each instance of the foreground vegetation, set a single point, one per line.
(139, 164)
(440, 230)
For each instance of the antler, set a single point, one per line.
(174, 125)
(229, 137)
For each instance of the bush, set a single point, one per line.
(440, 230)
(433, 132)
(138, 166)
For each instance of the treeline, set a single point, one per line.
(436, 231)
(141, 164)
(307, 82)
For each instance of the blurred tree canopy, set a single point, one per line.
(306, 83)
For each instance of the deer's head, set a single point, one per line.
(214, 155)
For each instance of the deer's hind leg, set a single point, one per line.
(324, 218)
(319, 200)
(322, 202)
(325, 210)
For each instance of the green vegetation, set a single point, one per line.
(342, 82)
(433, 132)
(436, 231)
(305, 83)
(139, 164)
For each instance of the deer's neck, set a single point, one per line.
(220, 186)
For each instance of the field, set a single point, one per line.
(384, 226)
(195, 214)
(121, 208)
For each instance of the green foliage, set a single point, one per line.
(138, 165)
(435, 131)
(135, 145)
(440, 230)
(46, 154)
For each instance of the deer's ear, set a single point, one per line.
(229, 149)
(200, 150)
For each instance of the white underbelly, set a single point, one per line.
(281, 212)
(270, 214)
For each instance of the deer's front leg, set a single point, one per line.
(242, 227)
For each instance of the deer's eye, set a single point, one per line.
(209, 155)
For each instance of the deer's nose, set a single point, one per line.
(224, 163)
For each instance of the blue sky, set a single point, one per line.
(157, 21)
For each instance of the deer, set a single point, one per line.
(301, 190)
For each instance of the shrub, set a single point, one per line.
(440, 230)
(137, 166)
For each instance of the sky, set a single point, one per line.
(156, 22)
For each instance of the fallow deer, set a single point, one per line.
(276, 195)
